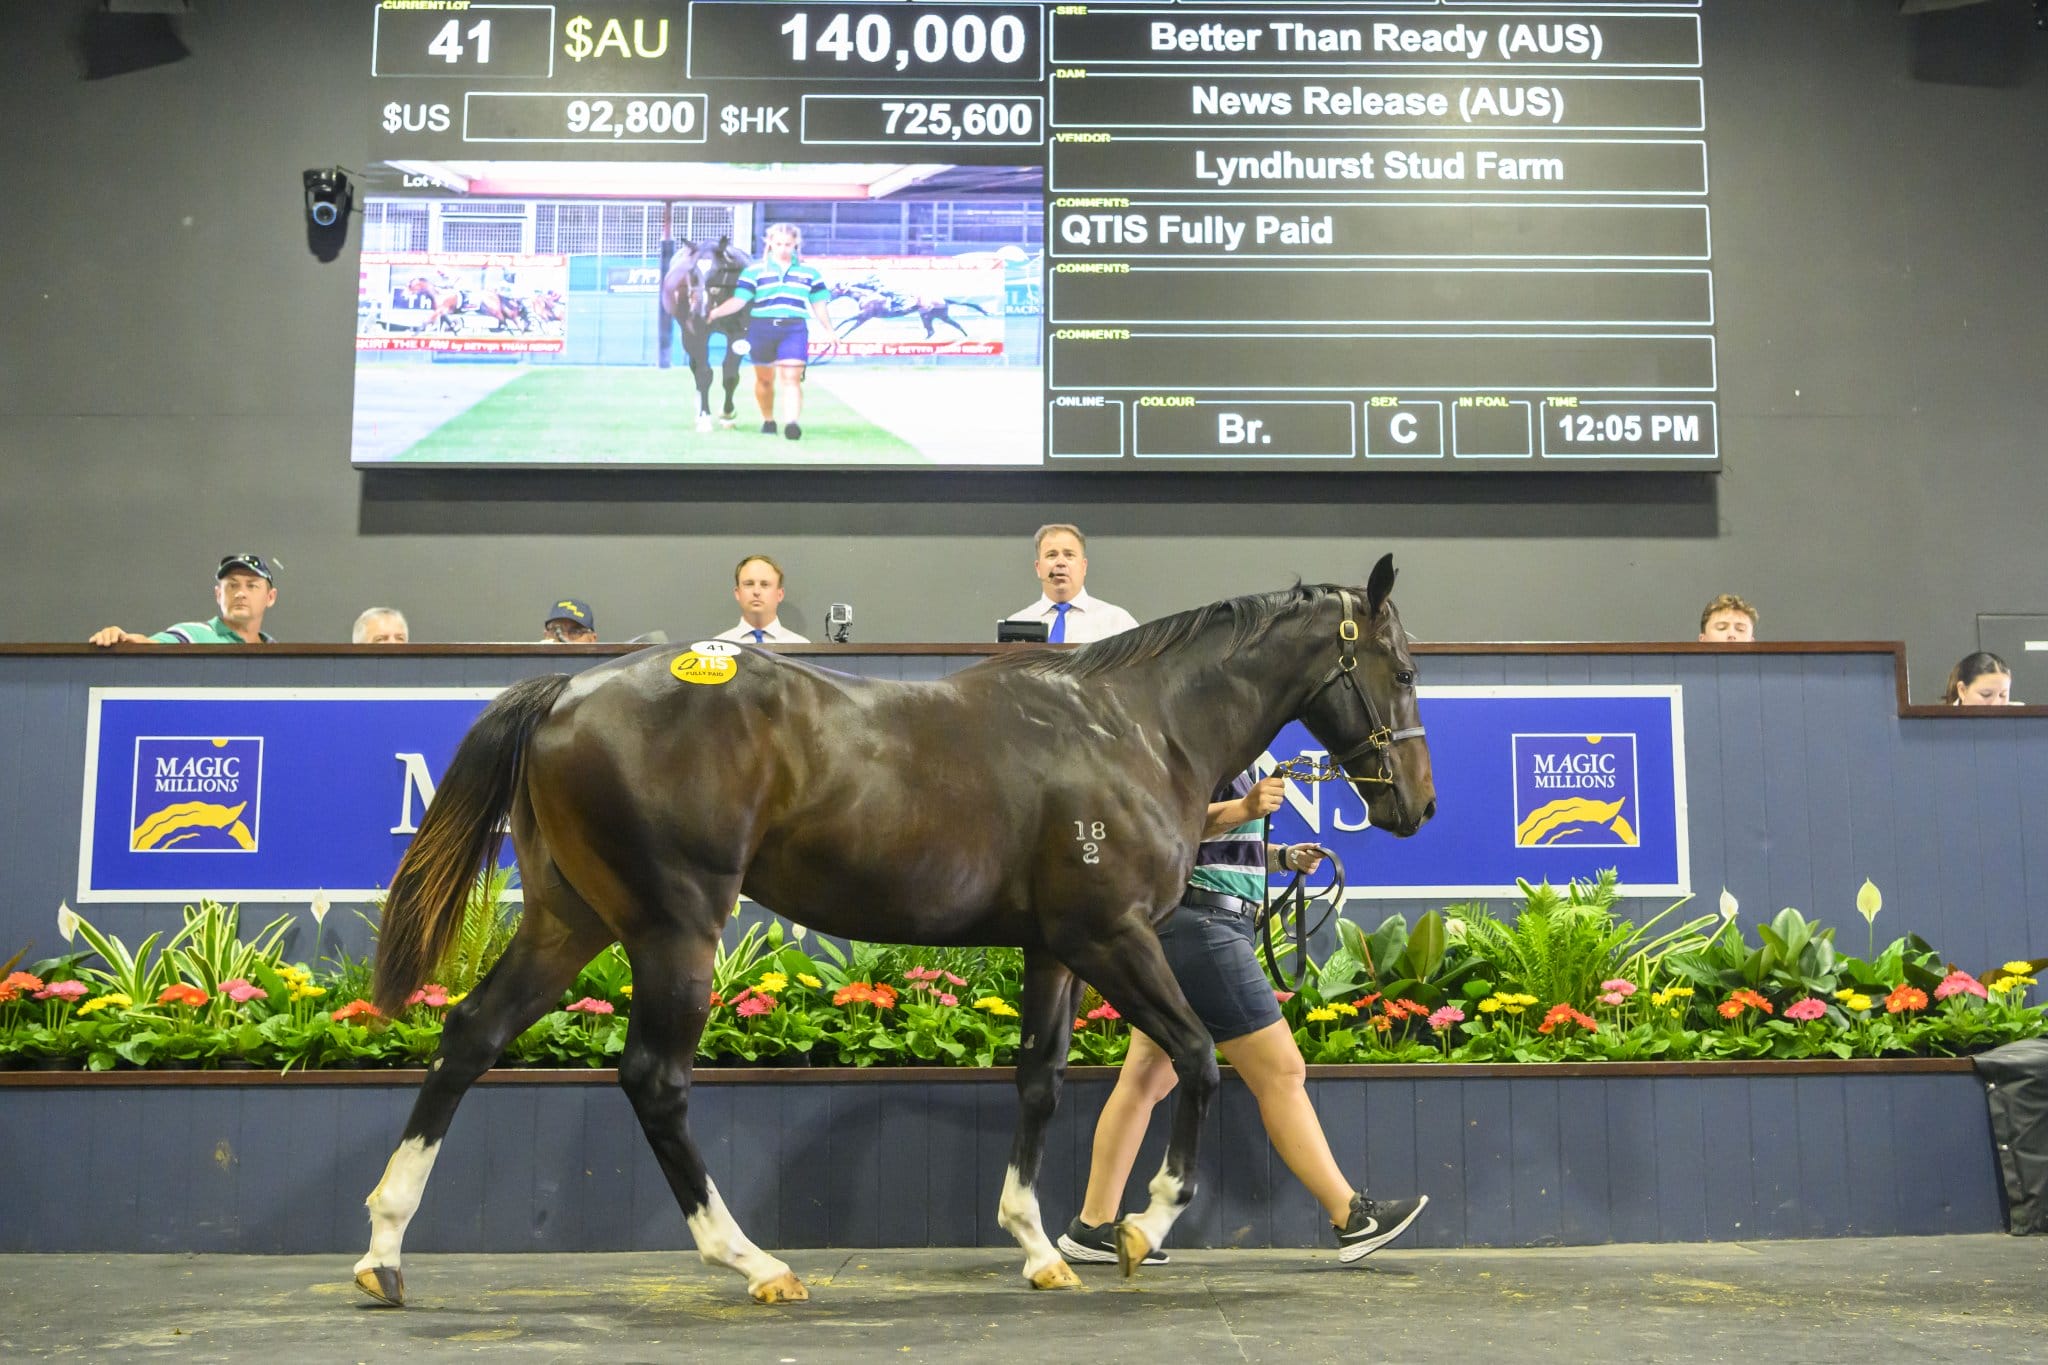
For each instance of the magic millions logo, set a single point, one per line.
(198, 795)
(1576, 791)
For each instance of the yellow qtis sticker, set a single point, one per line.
(709, 669)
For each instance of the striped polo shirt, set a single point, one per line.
(782, 293)
(214, 632)
(1234, 862)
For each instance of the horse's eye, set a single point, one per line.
(1406, 679)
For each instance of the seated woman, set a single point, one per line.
(1980, 679)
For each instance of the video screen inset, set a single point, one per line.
(1105, 236)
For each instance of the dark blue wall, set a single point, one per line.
(563, 1167)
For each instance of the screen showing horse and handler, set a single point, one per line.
(820, 314)
(646, 795)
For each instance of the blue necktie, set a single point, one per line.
(760, 636)
(1059, 625)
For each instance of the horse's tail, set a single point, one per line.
(461, 834)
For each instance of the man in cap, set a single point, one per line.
(569, 621)
(243, 589)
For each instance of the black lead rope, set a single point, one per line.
(1295, 893)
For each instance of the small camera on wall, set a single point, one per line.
(329, 196)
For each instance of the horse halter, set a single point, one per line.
(1379, 739)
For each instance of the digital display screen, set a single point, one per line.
(737, 233)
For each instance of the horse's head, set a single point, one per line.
(1363, 712)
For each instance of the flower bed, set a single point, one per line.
(1566, 979)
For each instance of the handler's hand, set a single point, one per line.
(1304, 858)
(1266, 796)
(114, 635)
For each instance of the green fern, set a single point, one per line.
(1565, 941)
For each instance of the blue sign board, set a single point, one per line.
(280, 793)
(259, 793)
(1540, 783)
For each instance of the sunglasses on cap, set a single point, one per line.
(251, 562)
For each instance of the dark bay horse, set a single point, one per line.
(699, 278)
(1045, 798)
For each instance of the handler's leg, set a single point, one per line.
(1050, 995)
(789, 388)
(1272, 1069)
(1129, 968)
(1146, 1078)
(764, 391)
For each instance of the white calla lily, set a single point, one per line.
(1729, 905)
(320, 907)
(67, 920)
(1869, 900)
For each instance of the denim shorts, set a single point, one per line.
(1211, 954)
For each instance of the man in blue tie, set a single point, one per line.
(757, 586)
(1071, 615)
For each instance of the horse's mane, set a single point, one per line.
(1250, 618)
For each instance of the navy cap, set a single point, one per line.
(569, 609)
(248, 563)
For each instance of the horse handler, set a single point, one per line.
(786, 294)
(1208, 943)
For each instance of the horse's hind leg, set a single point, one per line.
(1050, 995)
(671, 999)
(558, 933)
(731, 373)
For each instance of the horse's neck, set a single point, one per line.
(1221, 707)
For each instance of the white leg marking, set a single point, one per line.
(1160, 1215)
(396, 1199)
(1018, 1213)
(720, 1242)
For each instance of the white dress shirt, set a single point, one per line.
(776, 634)
(1089, 619)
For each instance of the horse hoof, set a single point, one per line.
(383, 1283)
(784, 1288)
(1132, 1247)
(704, 422)
(1058, 1275)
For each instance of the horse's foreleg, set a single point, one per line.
(671, 1000)
(730, 371)
(1129, 968)
(1050, 994)
(700, 371)
(557, 935)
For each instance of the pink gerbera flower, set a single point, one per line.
(1445, 1017)
(1960, 982)
(1807, 1010)
(61, 990)
(749, 1007)
(592, 1005)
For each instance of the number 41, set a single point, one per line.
(447, 44)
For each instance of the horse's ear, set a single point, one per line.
(1379, 585)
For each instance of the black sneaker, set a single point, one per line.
(767, 428)
(1373, 1224)
(793, 431)
(1097, 1245)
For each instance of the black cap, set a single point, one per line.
(570, 609)
(248, 563)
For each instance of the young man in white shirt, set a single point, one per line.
(757, 586)
(1070, 614)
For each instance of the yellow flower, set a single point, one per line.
(1524, 999)
(771, 982)
(1680, 992)
(308, 992)
(625, 990)
(1490, 1005)
(1321, 1014)
(1845, 992)
(1513, 1008)
(1344, 1007)
(112, 999)
(1857, 1002)
(2018, 968)
(2005, 985)
(461, 996)
(996, 1005)
(809, 980)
